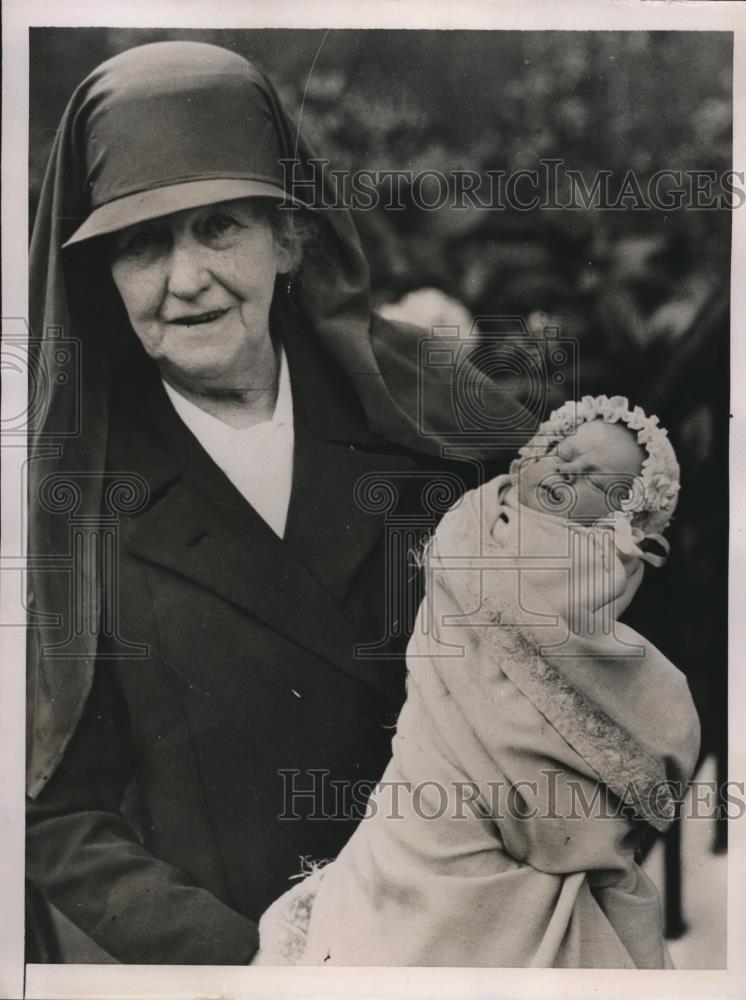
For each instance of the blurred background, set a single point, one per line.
(644, 293)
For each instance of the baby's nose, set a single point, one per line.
(566, 470)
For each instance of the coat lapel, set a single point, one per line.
(330, 528)
(200, 526)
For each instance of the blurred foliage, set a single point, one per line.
(467, 100)
(635, 288)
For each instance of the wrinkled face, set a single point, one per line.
(197, 286)
(585, 475)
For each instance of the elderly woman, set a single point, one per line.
(217, 641)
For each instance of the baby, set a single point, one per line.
(539, 735)
(588, 466)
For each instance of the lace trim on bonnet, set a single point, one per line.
(648, 509)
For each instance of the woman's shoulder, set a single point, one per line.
(431, 376)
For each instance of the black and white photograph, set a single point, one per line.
(370, 560)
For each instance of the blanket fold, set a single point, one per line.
(538, 738)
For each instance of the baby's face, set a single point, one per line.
(584, 475)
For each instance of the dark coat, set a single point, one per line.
(252, 682)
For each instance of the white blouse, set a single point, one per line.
(258, 460)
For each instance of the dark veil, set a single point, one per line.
(76, 323)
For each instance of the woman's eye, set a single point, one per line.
(139, 244)
(219, 229)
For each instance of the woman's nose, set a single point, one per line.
(188, 274)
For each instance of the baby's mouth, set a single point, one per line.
(199, 318)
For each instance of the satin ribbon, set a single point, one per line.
(628, 540)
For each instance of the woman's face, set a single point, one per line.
(197, 286)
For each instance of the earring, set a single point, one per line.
(289, 284)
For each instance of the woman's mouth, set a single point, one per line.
(199, 318)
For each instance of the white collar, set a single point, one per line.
(210, 429)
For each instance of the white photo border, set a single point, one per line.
(100, 981)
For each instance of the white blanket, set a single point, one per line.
(496, 836)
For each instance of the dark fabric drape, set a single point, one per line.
(77, 326)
